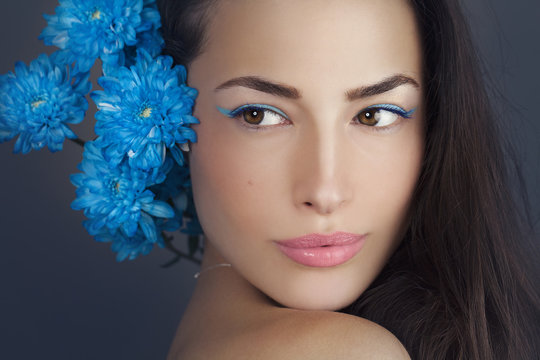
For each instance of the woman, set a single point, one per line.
(346, 160)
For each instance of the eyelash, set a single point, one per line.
(239, 111)
(394, 109)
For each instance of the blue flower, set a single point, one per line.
(145, 110)
(175, 190)
(129, 247)
(116, 197)
(37, 103)
(175, 187)
(86, 30)
(149, 38)
(151, 41)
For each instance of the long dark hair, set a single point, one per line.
(462, 284)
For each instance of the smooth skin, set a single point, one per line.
(319, 170)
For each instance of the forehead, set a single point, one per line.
(312, 42)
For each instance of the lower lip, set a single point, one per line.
(323, 256)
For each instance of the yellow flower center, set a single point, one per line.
(35, 104)
(96, 15)
(146, 112)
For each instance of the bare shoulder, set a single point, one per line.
(331, 335)
(313, 335)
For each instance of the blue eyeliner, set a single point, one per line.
(234, 113)
(393, 108)
(225, 112)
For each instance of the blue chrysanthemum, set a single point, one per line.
(151, 41)
(129, 247)
(86, 30)
(114, 197)
(145, 110)
(175, 187)
(37, 103)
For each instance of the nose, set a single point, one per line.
(322, 173)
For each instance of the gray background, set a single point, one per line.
(63, 296)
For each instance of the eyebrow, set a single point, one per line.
(381, 87)
(286, 91)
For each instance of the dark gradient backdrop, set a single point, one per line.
(63, 296)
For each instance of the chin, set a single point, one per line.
(317, 304)
(318, 298)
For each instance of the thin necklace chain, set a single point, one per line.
(197, 274)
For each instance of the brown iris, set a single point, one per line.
(253, 117)
(367, 117)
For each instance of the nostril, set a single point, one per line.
(308, 203)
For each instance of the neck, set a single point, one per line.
(222, 282)
(220, 293)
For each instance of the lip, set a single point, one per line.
(322, 250)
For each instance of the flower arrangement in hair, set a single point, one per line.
(134, 184)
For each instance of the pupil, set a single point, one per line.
(254, 116)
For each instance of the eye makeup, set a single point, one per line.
(392, 108)
(235, 112)
(387, 116)
(257, 117)
(382, 117)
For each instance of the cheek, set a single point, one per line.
(233, 187)
(397, 175)
(392, 178)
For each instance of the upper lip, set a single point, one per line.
(338, 238)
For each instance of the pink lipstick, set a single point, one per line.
(320, 250)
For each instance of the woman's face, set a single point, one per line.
(310, 158)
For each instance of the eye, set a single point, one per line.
(382, 115)
(261, 117)
(257, 115)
